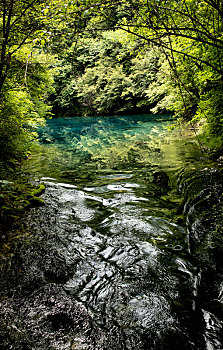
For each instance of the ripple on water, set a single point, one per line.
(94, 285)
(112, 187)
(116, 176)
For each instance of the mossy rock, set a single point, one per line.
(39, 190)
(36, 201)
(26, 204)
(35, 192)
(7, 211)
(172, 198)
(14, 201)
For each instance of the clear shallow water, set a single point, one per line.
(105, 263)
(84, 147)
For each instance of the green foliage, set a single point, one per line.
(104, 75)
(23, 104)
(100, 88)
(210, 115)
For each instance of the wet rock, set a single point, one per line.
(203, 210)
(56, 269)
(48, 319)
(204, 216)
(161, 180)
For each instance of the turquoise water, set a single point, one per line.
(75, 148)
(57, 128)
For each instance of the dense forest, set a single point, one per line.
(69, 58)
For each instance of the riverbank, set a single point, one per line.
(203, 208)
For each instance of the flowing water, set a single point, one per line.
(105, 263)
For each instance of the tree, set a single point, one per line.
(107, 73)
(19, 20)
(160, 22)
(24, 77)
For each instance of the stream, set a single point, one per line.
(106, 263)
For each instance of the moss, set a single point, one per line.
(172, 198)
(37, 191)
(36, 201)
(18, 196)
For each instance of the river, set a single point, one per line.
(106, 262)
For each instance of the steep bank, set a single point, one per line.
(203, 209)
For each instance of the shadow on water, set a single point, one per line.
(105, 263)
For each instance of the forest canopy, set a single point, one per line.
(68, 58)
